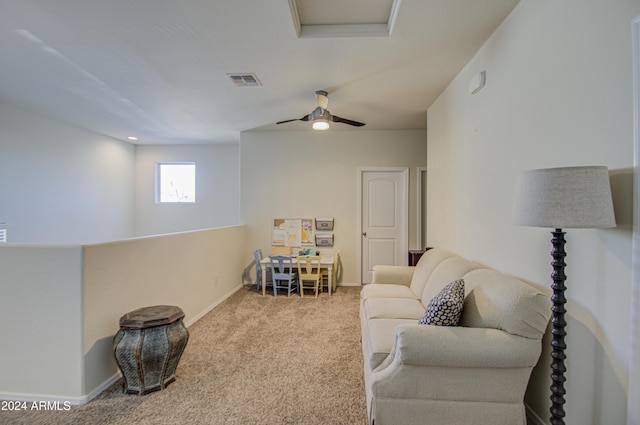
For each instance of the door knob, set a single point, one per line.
(364, 233)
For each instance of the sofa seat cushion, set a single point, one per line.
(387, 290)
(392, 308)
(377, 339)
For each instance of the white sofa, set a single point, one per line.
(475, 373)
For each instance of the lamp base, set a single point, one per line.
(558, 322)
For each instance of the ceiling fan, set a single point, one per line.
(321, 115)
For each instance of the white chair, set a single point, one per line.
(334, 273)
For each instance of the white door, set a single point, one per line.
(384, 219)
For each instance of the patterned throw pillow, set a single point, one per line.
(446, 307)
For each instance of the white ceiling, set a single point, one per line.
(332, 12)
(157, 69)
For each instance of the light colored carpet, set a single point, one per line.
(251, 360)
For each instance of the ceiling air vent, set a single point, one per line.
(244, 80)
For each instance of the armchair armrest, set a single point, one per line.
(400, 275)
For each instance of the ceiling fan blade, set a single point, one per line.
(336, 118)
(305, 118)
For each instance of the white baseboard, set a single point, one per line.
(339, 284)
(212, 306)
(100, 388)
(533, 417)
(348, 284)
(37, 398)
(62, 401)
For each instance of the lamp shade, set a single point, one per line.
(569, 197)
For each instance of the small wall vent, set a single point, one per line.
(3, 232)
(244, 80)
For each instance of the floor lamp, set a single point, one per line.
(557, 198)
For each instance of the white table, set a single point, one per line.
(325, 263)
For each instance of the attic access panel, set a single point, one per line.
(343, 18)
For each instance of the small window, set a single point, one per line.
(176, 182)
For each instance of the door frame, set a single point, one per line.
(633, 409)
(405, 211)
(422, 172)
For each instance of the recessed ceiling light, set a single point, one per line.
(132, 138)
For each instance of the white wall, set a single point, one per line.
(633, 409)
(61, 184)
(277, 166)
(217, 189)
(193, 270)
(41, 316)
(61, 305)
(558, 93)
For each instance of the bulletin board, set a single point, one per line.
(292, 232)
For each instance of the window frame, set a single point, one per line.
(158, 183)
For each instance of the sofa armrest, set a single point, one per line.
(448, 373)
(400, 275)
(460, 347)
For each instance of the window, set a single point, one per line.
(176, 182)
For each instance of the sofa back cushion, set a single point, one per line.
(448, 270)
(495, 300)
(428, 262)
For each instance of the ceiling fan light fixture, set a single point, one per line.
(320, 117)
(320, 124)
